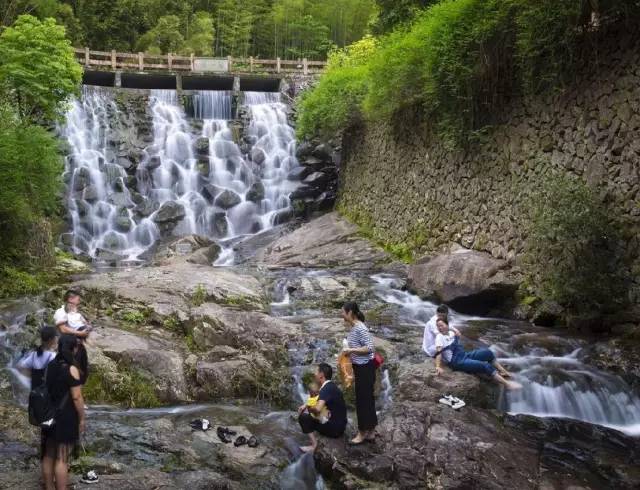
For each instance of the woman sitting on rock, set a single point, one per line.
(362, 352)
(477, 361)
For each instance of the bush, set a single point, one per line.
(573, 249)
(30, 169)
(339, 93)
(462, 61)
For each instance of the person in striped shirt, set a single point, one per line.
(361, 350)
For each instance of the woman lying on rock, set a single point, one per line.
(477, 361)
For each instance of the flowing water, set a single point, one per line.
(198, 178)
(556, 382)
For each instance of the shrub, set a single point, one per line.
(573, 248)
(331, 105)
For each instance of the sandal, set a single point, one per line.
(253, 442)
(222, 435)
(240, 441)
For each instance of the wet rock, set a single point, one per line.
(120, 199)
(119, 185)
(232, 378)
(283, 216)
(125, 163)
(225, 149)
(304, 149)
(468, 281)
(323, 151)
(153, 163)
(298, 173)
(323, 242)
(108, 256)
(169, 214)
(201, 146)
(210, 191)
(227, 199)
(146, 208)
(305, 192)
(219, 224)
(123, 224)
(90, 193)
(258, 156)
(255, 192)
(205, 256)
(316, 180)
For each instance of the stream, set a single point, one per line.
(200, 177)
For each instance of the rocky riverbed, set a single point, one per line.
(176, 340)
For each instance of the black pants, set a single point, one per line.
(365, 378)
(310, 424)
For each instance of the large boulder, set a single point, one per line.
(328, 241)
(231, 378)
(468, 281)
(227, 199)
(168, 216)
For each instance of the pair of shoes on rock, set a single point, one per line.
(200, 424)
(242, 440)
(90, 477)
(224, 434)
(452, 401)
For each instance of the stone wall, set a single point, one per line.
(398, 179)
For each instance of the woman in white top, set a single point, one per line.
(34, 363)
(362, 351)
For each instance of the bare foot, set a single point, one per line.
(307, 449)
(357, 440)
(505, 374)
(512, 385)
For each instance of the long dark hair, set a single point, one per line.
(66, 344)
(353, 307)
(47, 334)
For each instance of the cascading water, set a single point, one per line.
(100, 203)
(555, 382)
(188, 181)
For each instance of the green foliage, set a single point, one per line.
(29, 182)
(135, 317)
(201, 35)
(573, 251)
(199, 295)
(38, 69)
(15, 282)
(462, 61)
(395, 13)
(165, 37)
(335, 100)
(127, 387)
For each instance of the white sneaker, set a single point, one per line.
(90, 477)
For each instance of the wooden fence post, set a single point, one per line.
(140, 61)
(251, 63)
(113, 59)
(230, 63)
(305, 66)
(278, 64)
(86, 56)
(192, 62)
(169, 60)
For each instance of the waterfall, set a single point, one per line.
(192, 176)
(555, 382)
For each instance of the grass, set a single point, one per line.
(199, 295)
(126, 386)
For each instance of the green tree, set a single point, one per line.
(394, 13)
(201, 35)
(38, 69)
(165, 37)
(30, 169)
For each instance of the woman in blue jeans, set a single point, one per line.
(477, 361)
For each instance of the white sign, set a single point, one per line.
(210, 64)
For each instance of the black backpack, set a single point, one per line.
(42, 410)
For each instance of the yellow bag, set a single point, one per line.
(346, 369)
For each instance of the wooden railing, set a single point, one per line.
(140, 62)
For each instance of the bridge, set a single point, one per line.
(142, 62)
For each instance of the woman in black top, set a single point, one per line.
(59, 442)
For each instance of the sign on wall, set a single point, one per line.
(210, 64)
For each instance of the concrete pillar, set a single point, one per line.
(140, 61)
(278, 64)
(251, 64)
(113, 59)
(170, 61)
(305, 66)
(178, 83)
(192, 62)
(86, 56)
(230, 64)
